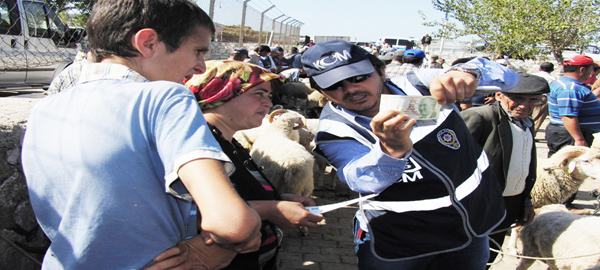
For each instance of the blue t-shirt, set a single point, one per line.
(101, 162)
(569, 97)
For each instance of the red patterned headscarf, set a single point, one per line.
(225, 79)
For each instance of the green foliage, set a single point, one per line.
(522, 28)
(75, 13)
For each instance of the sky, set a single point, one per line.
(362, 20)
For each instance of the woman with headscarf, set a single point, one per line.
(235, 96)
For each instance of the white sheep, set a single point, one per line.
(560, 177)
(247, 137)
(285, 162)
(566, 237)
(564, 173)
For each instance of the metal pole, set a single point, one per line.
(281, 28)
(292, 35)
(242, 25)
(298, 31)
(443, 34)
(262, 18)
(211, 11)
(273, 29)
(296, 34)
(286, 39)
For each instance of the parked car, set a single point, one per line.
(400, 43)
(34, 44)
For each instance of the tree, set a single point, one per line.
(73, 12)
(525, 27)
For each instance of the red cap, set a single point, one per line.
(579, 60)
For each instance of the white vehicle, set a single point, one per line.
(591, 50)
(34, 44)
(401, 43)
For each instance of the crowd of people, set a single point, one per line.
(132, 164)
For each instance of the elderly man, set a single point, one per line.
(428, 214)
(121, 163)
(505, 131)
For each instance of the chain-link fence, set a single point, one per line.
(36, 33)
(248, 22)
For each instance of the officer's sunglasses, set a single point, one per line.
(355, 79)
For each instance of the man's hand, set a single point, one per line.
(293, 214)
(193, 253)
(571, 124)
(453, 86)
(250, 245)
(393, 129)
(527, 216)
(306, 201)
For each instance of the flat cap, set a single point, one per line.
(530, 85)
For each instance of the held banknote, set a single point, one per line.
(417, 107)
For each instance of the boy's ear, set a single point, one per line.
(145, 41)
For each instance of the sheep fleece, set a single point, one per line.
(562, 235)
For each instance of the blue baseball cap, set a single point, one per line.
(333, 61)
(415, 53)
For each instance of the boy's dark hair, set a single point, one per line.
(547, 66)
(113, 23)
(569, 68)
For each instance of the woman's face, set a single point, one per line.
(247, 110)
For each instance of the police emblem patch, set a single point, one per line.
(447, 137)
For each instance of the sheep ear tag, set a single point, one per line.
(571, 167)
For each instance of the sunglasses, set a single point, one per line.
(355, 79)
(522, 100)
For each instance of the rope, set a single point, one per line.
(502, 253)
(544, 258)
(21, 250)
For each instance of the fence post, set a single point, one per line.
(211, 11)
(281, 29)
(262, 18)
(286, 37)
(297, 32)
(273, 29)
(243, 23)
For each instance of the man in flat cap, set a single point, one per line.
(505, 131)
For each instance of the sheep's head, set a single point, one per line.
(298, 121)
(578, 161)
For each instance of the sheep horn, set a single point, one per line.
(301, 122)
(276, 113)
(567, 153)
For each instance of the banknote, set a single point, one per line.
(417, 107)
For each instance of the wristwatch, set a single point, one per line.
(468, 68)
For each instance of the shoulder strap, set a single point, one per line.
(416, 82)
